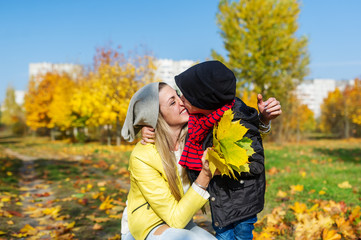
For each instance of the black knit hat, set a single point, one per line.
(208, 85)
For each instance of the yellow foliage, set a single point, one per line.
(341, 111)
(27, 230)
(324, 220)
(249, 98)
(330, 235)
(38, 99)
(97, 98)
(231, 149)
(60, 109)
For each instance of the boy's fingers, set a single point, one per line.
(149, 135)
(272, 104)
(271, 100)
(259, 98)
(273, 107)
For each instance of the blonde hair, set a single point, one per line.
(165, 146)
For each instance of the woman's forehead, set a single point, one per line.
(166, 92)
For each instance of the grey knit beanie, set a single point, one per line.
(143, 110)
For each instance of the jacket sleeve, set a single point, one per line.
(156, 191)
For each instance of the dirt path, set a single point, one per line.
(36, 199)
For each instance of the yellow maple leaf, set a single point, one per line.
(321, 192)
(6, 199)
(296, 188)
(345, 184)
(116, 237)
(217, 162)
(19, 235)
(355, 213)
(330, 235)
(303, 173)
(230, 148)
(97, 227)
(281, 194)
(53, 212)
(106, 204)
(299, 207)
(70, 225)
(26, 231)
(345, 228)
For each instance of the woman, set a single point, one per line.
(160, 202)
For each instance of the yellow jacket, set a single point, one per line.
(150, 202)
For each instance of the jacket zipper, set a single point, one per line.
(141, 206)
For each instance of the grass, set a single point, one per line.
(319, 166)
(81, 177)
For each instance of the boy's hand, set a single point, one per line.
(148, 135)
(269, 109)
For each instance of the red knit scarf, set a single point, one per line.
(198, 127)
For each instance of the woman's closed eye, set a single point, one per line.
(171, 101)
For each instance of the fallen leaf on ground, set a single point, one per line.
(345, 184)
(97, 226)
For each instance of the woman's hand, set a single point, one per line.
(205, 164)
(205, 175)
(148, 135)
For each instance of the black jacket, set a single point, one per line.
(233, 200)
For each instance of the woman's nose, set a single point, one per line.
(181, 101)
(182, 98)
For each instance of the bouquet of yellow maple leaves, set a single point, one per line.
(231, 148)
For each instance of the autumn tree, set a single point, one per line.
(262, 47)
(340, 111)
(352, 105)
(249, 97)
(60, 111)
(12, 114)
(116, 77)
(96, 98)
(83, 104)
(301, 119)
(38, 99)
(11, 109)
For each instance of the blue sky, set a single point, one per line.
(69, 32)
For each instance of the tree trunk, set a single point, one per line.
(280, 133)
(52, 134)
(346, 122)
(100, 134)
(75, 132)
(347, 127)
(298, 129)
(118, 131)
(109, 137)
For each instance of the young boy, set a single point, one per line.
(208, 91)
